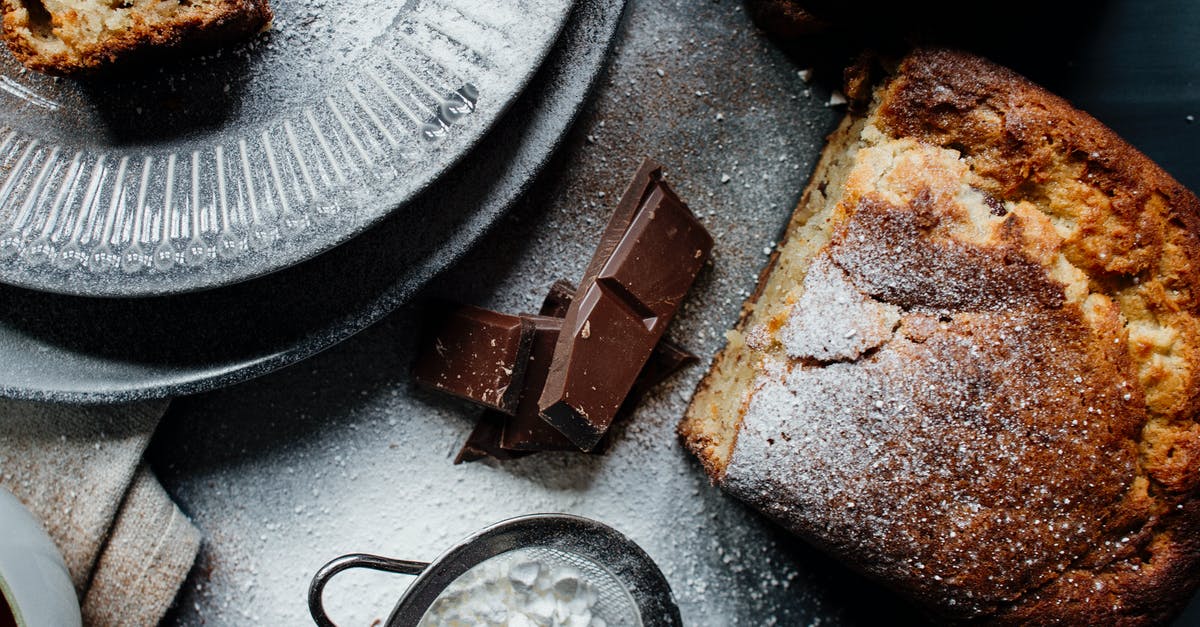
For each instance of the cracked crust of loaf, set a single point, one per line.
(81, 37)
(971, 369)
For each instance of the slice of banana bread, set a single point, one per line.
(70, 37)
(972, 371)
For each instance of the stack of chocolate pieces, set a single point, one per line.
(559, 379)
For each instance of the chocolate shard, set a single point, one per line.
(484, 440)
(503, 437)
(478, 355)
(650, 254)
(667, 359)
(558, 299)
(644, 182)
(526, 430)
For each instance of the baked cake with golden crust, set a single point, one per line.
(971, 370)
(68, 37)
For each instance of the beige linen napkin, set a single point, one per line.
(80, 471)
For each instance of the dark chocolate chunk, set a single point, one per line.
(649, 257)
(667, 359)
(996, 205)
(558, 299)
(526, 430)
(484, 440)
(505, 437)
(644, 182)
(478, 355)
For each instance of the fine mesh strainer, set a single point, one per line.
(629, 588)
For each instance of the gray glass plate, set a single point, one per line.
(212, 170)
(75, 349)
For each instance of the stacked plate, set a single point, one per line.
(204, 222)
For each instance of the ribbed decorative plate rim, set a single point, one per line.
(147, 220)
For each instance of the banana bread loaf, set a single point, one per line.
(971, 371)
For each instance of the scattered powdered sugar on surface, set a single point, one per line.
(340, 454)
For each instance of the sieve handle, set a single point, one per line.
(355, 560)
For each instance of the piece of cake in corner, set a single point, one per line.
(73, 37)
(972, 370)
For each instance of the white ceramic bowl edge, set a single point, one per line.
(33, 576)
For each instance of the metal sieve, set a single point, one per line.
(631, 590)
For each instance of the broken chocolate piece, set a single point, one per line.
(478, 355)
(526, 430)
(484, 440)
(645, 181)
(667, 359)
(650, 254)
(558, 299)
(489, 437)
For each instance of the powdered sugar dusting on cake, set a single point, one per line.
(913, 452)
(833, 320)
(903, 255)
(931, 438)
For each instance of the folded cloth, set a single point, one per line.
(80, 471)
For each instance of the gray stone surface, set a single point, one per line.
(341, 454)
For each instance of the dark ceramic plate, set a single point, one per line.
(201, 172)
(76, 349)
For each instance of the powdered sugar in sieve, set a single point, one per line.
(535, 586)
(543, 569)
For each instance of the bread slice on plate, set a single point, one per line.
(71, 37)
(972, 371)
